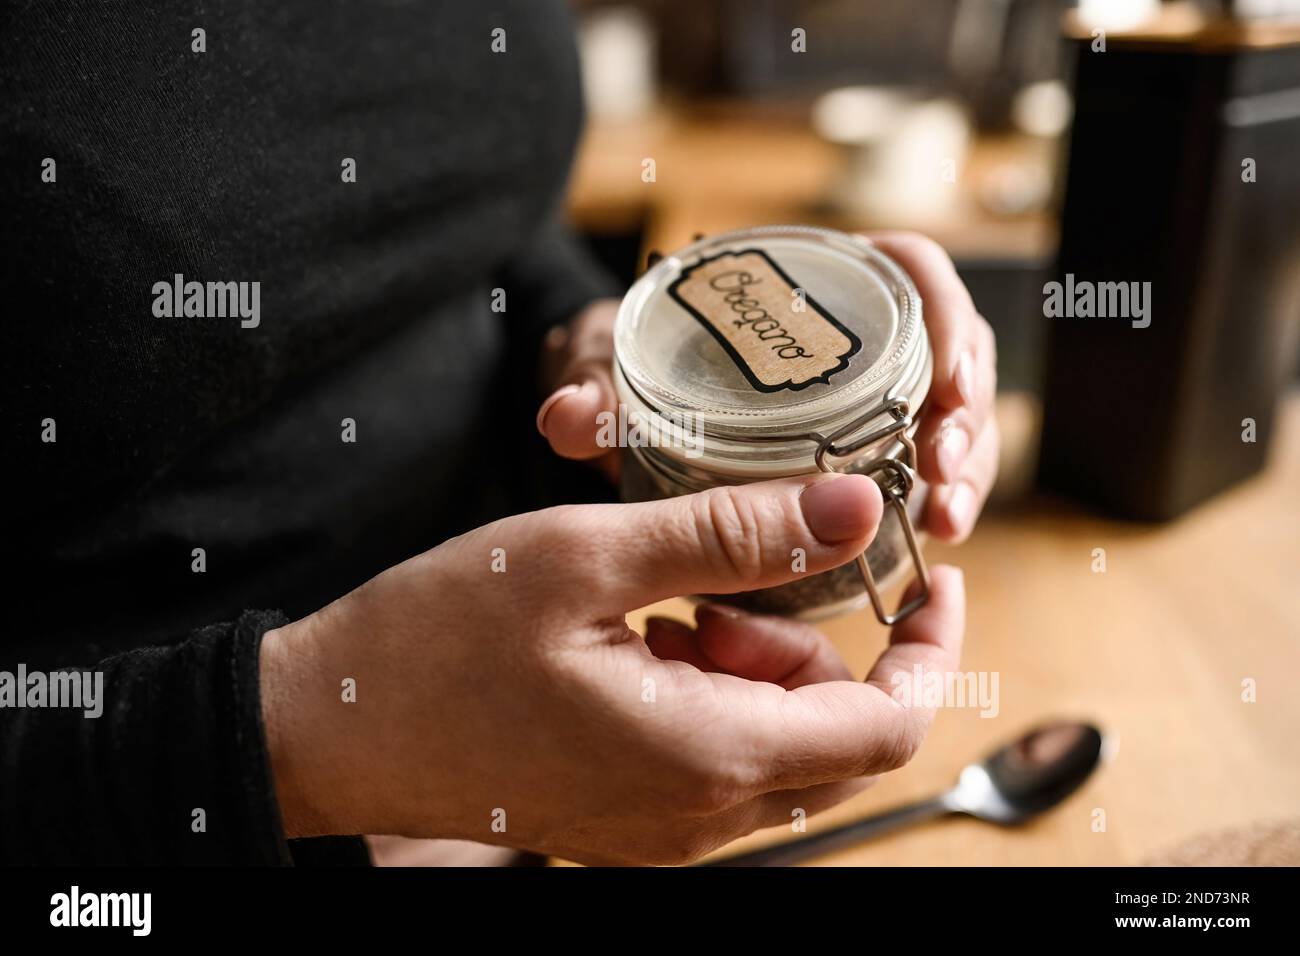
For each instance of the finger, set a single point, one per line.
(951, 509)
(587, 339)
(580, 357)
(569, 419)
(945, 436)
(555, 356)
(609, 559)
(762, 648)
(965, 357)
(755, 647)
(671, 640)
(942, 443)
(784, 807)
(950, 315)
(823, 732)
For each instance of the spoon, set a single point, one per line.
(1011, 785)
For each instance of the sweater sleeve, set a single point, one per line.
(553, 277)
(173, 770)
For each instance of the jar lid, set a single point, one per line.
(773, 331)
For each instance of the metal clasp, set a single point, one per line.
(895, 489)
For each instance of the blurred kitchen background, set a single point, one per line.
(945, 116)
(1001, 129)
(956, 118)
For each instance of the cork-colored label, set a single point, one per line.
(777, 335)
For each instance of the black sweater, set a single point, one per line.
(175, 433)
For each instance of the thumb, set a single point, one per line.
(720, 541)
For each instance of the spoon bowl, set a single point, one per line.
(1029, 775)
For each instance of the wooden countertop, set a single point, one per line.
(1154, 650)
(726, 165)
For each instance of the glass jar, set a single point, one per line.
(772, 352)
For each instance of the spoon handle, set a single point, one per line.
(793, 851)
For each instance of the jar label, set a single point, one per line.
(776, 333)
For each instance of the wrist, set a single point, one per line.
(301, 717)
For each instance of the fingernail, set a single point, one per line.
(557, 337)
(836, 509)
(951, 445)
(963, 377)
(547, 405)
(961, 509)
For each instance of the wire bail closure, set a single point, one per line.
(895, 488)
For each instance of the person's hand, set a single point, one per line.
(957, 438)
(500, 697)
